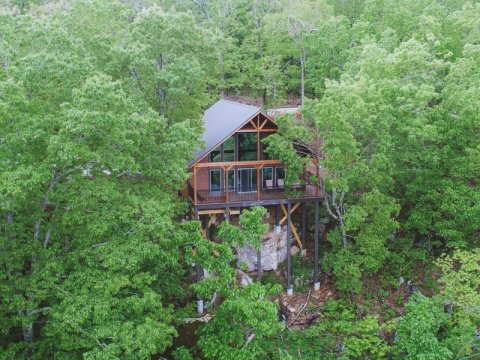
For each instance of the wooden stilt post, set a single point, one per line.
(304, 229)
(316, 282)
(227, 214)
(199, 274)
(289, 254)
(277, 220)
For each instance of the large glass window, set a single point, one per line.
(265, 155)
(215, 155)
(267, 178)
(247, 146)
(215, 179)
(229, 149)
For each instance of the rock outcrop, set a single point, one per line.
(274, 251)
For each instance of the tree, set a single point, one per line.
(460, 282)
(245, 316)
(349, 142)
(250, 230)
(36, 77)
(446, 324)
(241, 323)
(87, 207)
(299, 19)
(419, 330)
(168, 60)
(450, 207)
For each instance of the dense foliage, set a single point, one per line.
(100, 103)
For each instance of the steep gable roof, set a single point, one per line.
(221, 120)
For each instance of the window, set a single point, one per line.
(231, 180)
(267, 178)
(215, 179)
(280, 176)
(229, 149)
(215, 155)
(247, 146)
(265, 155)
(223, 152)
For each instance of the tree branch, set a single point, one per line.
(36, 311)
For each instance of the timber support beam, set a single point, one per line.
(199, 270)
(289, 252)
(316, 282)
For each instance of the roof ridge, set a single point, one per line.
(239, 103)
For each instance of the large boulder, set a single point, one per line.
(274, 251)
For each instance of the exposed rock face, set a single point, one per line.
(274, 251)
(244, 278)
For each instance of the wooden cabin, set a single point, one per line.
(234, 170)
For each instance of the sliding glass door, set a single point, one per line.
(247, 180)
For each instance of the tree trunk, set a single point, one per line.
(260, 54)
(222, 76)
(36, 230)
(344, 233)
(259, 38)
(9, 218)
(28, 332)
(303, 55)
(338, 215)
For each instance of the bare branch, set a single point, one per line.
(100, 244)
(329, 210)
(47, 238)
(36, 311)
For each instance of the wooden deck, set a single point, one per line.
(208, 197)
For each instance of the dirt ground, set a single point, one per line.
(302, 309)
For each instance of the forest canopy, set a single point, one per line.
(100, 112)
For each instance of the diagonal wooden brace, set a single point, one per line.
(292, 226)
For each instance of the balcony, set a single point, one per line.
(236, 197)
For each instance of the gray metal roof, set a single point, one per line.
(221, 120)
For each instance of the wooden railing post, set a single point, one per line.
(226, 170)
(259, 168)
(259, 157)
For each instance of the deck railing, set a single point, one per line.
(236, 195)
(258, 193)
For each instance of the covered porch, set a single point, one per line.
(247, 182)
